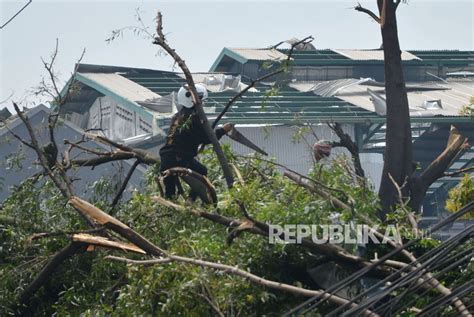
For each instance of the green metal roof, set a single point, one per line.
(287, 106)
(328, 57)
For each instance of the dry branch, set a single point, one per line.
(460, 171)
(62, 184)
(106, 243)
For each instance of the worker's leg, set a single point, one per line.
(169, 161)
(196, 166)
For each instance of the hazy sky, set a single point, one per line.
(198, 30)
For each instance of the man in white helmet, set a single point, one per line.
(185, 135)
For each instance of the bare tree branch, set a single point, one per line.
(106, 243)
(460, 171)
(367, 11)
(16, 136)
(41, 235)
(62, 185)
(410, 216)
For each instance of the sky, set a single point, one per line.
(198, 30)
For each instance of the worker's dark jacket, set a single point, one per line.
(186, 133)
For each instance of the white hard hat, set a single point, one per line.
(184, 95)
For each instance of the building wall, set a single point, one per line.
(278, 142)
(14, 175)
(116, 121)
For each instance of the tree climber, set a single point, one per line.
(185, 134)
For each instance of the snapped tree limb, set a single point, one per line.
(456, 145)
(109, 222)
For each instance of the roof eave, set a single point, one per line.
(118, 98)
(229, 53)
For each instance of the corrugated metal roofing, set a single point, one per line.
(260, 54)
(329, 57)
(287, 105)
(453, 95)
(371, 55)
(443, 54)
(122, 86)
(215, 82)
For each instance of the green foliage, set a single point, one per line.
(88, 285)
(14, 160)
(467, 110)
(461, 195)
(30, 209)
(269, 93)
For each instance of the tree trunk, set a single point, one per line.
(398, 152)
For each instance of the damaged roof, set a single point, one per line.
(258, 106)
(345, 101)
(451, 95)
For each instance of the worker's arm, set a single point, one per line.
(224, 130)
(219, 132)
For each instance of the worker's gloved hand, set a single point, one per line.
(228, 127)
